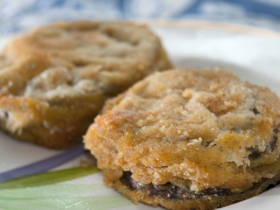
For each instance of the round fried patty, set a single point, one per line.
(55, 79)
(193, 129)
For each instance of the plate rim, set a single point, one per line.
(188, 23)
(211, 25)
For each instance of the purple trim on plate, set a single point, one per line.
(43, 165)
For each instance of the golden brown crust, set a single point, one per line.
(56, 78)
(198, 129)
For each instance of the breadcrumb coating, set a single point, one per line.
(192, 128)
(55, 79)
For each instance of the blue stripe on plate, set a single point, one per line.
(43, 165)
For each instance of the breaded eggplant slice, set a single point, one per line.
(189, 139)
(55, 79)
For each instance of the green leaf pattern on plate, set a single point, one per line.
(48, 177)
(49, 191)
(39, 192)
(66, 203)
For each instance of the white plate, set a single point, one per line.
(251, 56)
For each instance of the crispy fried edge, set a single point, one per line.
(204, 203)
